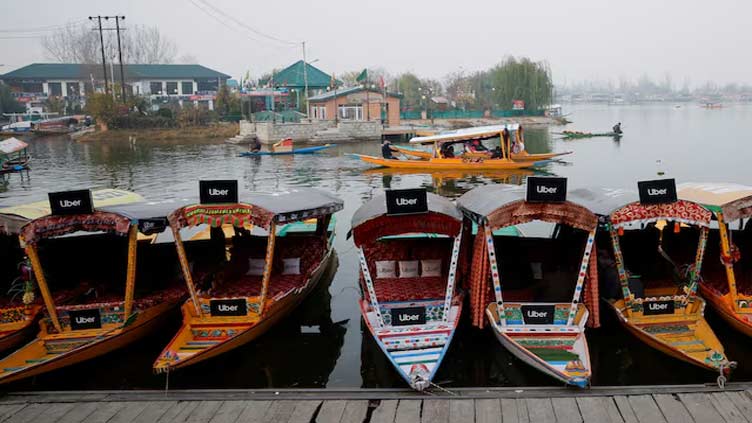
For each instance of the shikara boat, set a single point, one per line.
(282, 245)
(527, 308)
(304, 150)
(659, 303)
(570, 135)
(14, 156)
(412, 314)
(726, 283)
(21, 304)
(110, 312)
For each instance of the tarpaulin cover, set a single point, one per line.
(733, 200)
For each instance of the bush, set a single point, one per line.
(102, 108)
(165, 113)
(137, 121)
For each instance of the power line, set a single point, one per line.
(47, 28)
(244, 25)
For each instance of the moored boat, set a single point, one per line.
(726, 283)
(409, 243)
(659, 302)
(14, 155)
(110, 312)
(281, 247)
(304, 150)
(525, 304)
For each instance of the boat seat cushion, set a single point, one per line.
(407, 289)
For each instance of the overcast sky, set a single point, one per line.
(580, 39)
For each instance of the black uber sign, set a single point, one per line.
(237, 307)
(154, 225)
(546, 189)
(217, 192)
(538, 314)
(85, 319)
(659, 191)
(71, 202)
(408, 316)
(651, 308)
(406, 201)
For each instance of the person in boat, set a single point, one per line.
(496, 153)
(386, 150)
(255, 145)
(447, 151)
(475, 146)
(617, 128)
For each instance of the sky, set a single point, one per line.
(598, 40)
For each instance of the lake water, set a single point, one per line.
(324, 344)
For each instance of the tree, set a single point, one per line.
(8, 104)
(522, 79)
(413, 89)
(79, 44)
(226, 102)
(102, 107)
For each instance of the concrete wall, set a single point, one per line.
(271, 132)
(360, 129)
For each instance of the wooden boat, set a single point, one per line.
(413, 315)
(305, 150)
(665, 316)
(109, 315)
(548, 335)
(447, 164)
(577, 134)
(725, 284)
(20, 311)
(482, 133)
(281, 248)
(14, 155)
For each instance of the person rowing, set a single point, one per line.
(386, 150)
(617, 128)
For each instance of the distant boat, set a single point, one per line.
(712, 105)
(13, 155)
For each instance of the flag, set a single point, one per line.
(381, 83)
(363, 76)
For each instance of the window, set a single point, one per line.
(155, 87)
(32, 87)
(172, 88)
(187, 87)
(55, 89)
(207, 85)
(351, 112)
(73, 88)
(319, 112)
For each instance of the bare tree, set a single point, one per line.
(80, 44)
(187, 59)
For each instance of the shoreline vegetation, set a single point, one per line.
(218, 131)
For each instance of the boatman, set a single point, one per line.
(617, 128)
(386, 150)
(255, 145)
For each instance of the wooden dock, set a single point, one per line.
(681, 404)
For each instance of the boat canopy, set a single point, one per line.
(371, 222)
(260, 209)
(682, 211)
(12, 145)
(501, 205)
(734, 201)
(465, 134)
(149, 218)
(14, 217)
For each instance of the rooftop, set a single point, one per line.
(293, 76)
(346, 91)
(132, 72)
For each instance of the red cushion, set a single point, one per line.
(408, 289)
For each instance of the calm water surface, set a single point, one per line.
(323, 343)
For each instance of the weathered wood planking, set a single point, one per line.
(385, 412)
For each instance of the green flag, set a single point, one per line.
(363, 76)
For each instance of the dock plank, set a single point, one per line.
(53, 412)
(700, 408)
(673, 410)
(104, 411)
(331, 411)
(129, 411)
(408, 411)
(596, 410)
(153, 411)
(726, 408)
(79, 413)
(28, 413)
(435, 411)
(175, 412)
(228, 412)
(625, 409)
(355, 411)
(279, 411)
(646, 409)
(304, 411)
(540, 410)
(7, 410)
(254, 411)
(385, 412)
(488, 411)
(462, 410)
(741, 401)
(566, 410)
(204, 412)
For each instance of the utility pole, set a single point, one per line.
(305, 81)
(101, 41)
(120, 51)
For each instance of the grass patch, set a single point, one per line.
(221, 130)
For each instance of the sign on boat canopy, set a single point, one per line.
(218, 191)
(71, 202)
(658, 191)
(406, 201)
(546, 189)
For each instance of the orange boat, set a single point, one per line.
(725, 283)
(20, 310)
(281, 247)
(109, 314)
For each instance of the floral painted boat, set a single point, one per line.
(413, 314)
(547, 335)
(279, 248)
